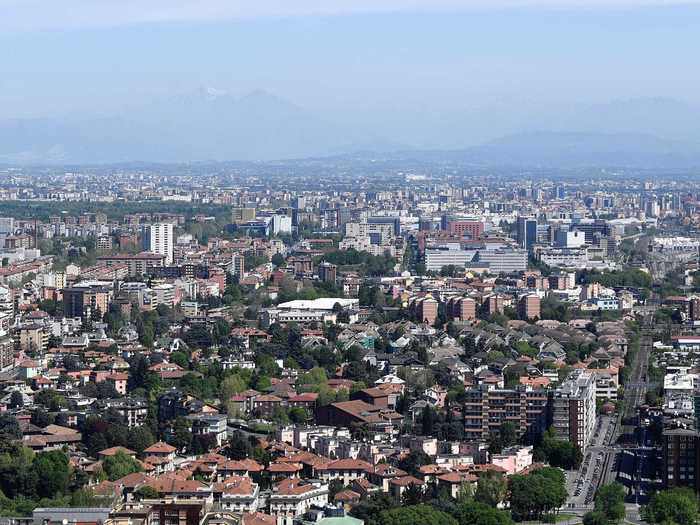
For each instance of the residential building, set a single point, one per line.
(158, 238)
(574, 408)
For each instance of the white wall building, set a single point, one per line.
(158, 238)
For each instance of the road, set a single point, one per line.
(614, 453)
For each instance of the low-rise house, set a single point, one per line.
(293, 497)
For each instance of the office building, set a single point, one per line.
(425, 309)
(84, 299)
(471, 229)
(242, 214)
(437, 258)
(281, 225)
(137, 264)
(569, 238)
(527, 232)
(158, 238)
(503, 260)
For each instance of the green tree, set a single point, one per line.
(140, 438)
(146, 492)
(595, 517)
(610, 500)
(415, 515)
(475, 513)
(491, 489)
(182, 437)
(368, 509)
(120, 465)
(9, 427)
(233, 384)
(180, 359)
(52, 473)
(678, 506)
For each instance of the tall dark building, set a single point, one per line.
(327, 272)
(681, 458)
(527, 232)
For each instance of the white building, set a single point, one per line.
(437, 258)
(158, 238)
(281, 224)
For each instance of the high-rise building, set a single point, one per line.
(529, 307)
(158, 238)
(681, 458)
(694, 308)
(472, 229)
(281, 224)
(461, 308)
(7, 225)
(238, 265)
(527, 232)
(574, 408)
(495, 304)
(242, 214)
(425, 309)
(327, 272)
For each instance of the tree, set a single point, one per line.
(475, 513)
(560, 453)
(298, 415)
(120, 465)
(146, 492)
(678, 506)
(509, 434)
(182, 437)
(427, 420)
(16, 400)
(595, 517)
(180, 359)
(335, 486)
(491, 489)
(412, 495)
(368, 509)
(198, 337)
(538, 493)
(412, 462)
(50, 399)
(239, 447)
(140, 438)
(233, 384)
(415, 515)
(610, 500)
(52, 473)
(9, 427)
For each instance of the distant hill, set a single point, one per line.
(577, 149)
(203, 125)
(211, 125)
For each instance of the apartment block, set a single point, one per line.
(574, 408)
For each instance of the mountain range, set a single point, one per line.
(209, 124)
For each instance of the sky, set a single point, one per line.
(357, 61)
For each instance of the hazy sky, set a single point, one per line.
(347, 58)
